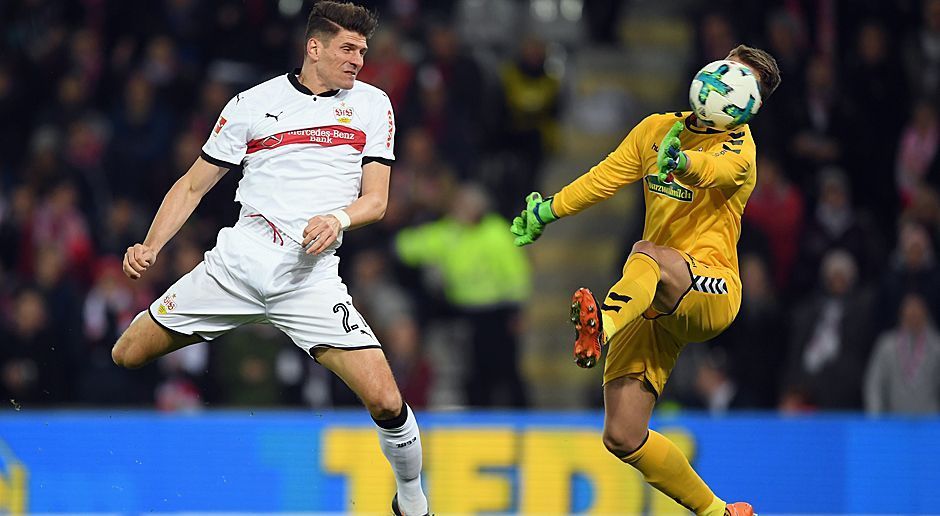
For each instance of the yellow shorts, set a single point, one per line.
(648, 347)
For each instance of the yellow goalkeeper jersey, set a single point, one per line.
(699, 212)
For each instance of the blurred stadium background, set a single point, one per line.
(103, 104)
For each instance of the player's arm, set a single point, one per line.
(727, 166)
(371, 204)
(621, 167)
(177, 206)
(719, 169)
(323, 230)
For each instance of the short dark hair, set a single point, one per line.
(327, 18)
(763, 63)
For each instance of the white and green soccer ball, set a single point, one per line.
(724, 95)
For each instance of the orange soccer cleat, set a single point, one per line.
(588, 326)
(739, 509)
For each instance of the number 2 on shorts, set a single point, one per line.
(341, 307)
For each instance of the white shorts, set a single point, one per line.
(252, 275)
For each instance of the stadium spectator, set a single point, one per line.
(917, 152)
(58, 223)
(15, 232)
(715, 37)
(387, 67)
(831, 340)
(423, 185)
(83, 152)
(450, 99)
(776, 208)
(922, 54)
(756, 344)
(62, 296)
(715, 387)
(779, 121)
(875, 76)
(245, 368)
(903, 374)
(12, 107)
(533, 99)
(141, 132)
(485, 278)
(411, 367)
(122, 222)
(817, 122)
(912, 269)
(31, 368)
(109, 307)
(836, 224)
(256, 367)
(379, 298)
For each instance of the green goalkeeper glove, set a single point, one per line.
(528, 226)
(670, 157)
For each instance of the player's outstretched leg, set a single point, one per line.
(654, 276)
(145, 340)
(628, 405)
(366, 372)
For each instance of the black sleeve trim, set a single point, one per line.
(385, 161)
(217, 162)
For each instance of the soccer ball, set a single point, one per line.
(724, 95)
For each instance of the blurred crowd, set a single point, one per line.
(104, 104)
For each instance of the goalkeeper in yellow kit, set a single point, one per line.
(680, 283)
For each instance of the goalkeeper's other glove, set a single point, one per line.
(528, 226)
(670, 157)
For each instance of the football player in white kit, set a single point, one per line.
(316, 148)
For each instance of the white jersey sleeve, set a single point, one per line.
(228, 140)
(380, 132)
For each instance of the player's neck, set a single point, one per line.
(308, 77)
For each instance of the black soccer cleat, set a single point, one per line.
(395, 510)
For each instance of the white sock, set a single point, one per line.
(401, 444)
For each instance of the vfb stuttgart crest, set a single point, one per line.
(343, 113)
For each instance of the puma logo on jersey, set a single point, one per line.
(275, 117)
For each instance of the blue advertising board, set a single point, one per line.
(475, 462)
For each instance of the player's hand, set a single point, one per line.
(321, 232)
(528, 226)
(137, 259)
(670, 157)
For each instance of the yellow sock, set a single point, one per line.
(632, 295)
(665, 467)
(717, 508)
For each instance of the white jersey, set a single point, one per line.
(302, 153)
